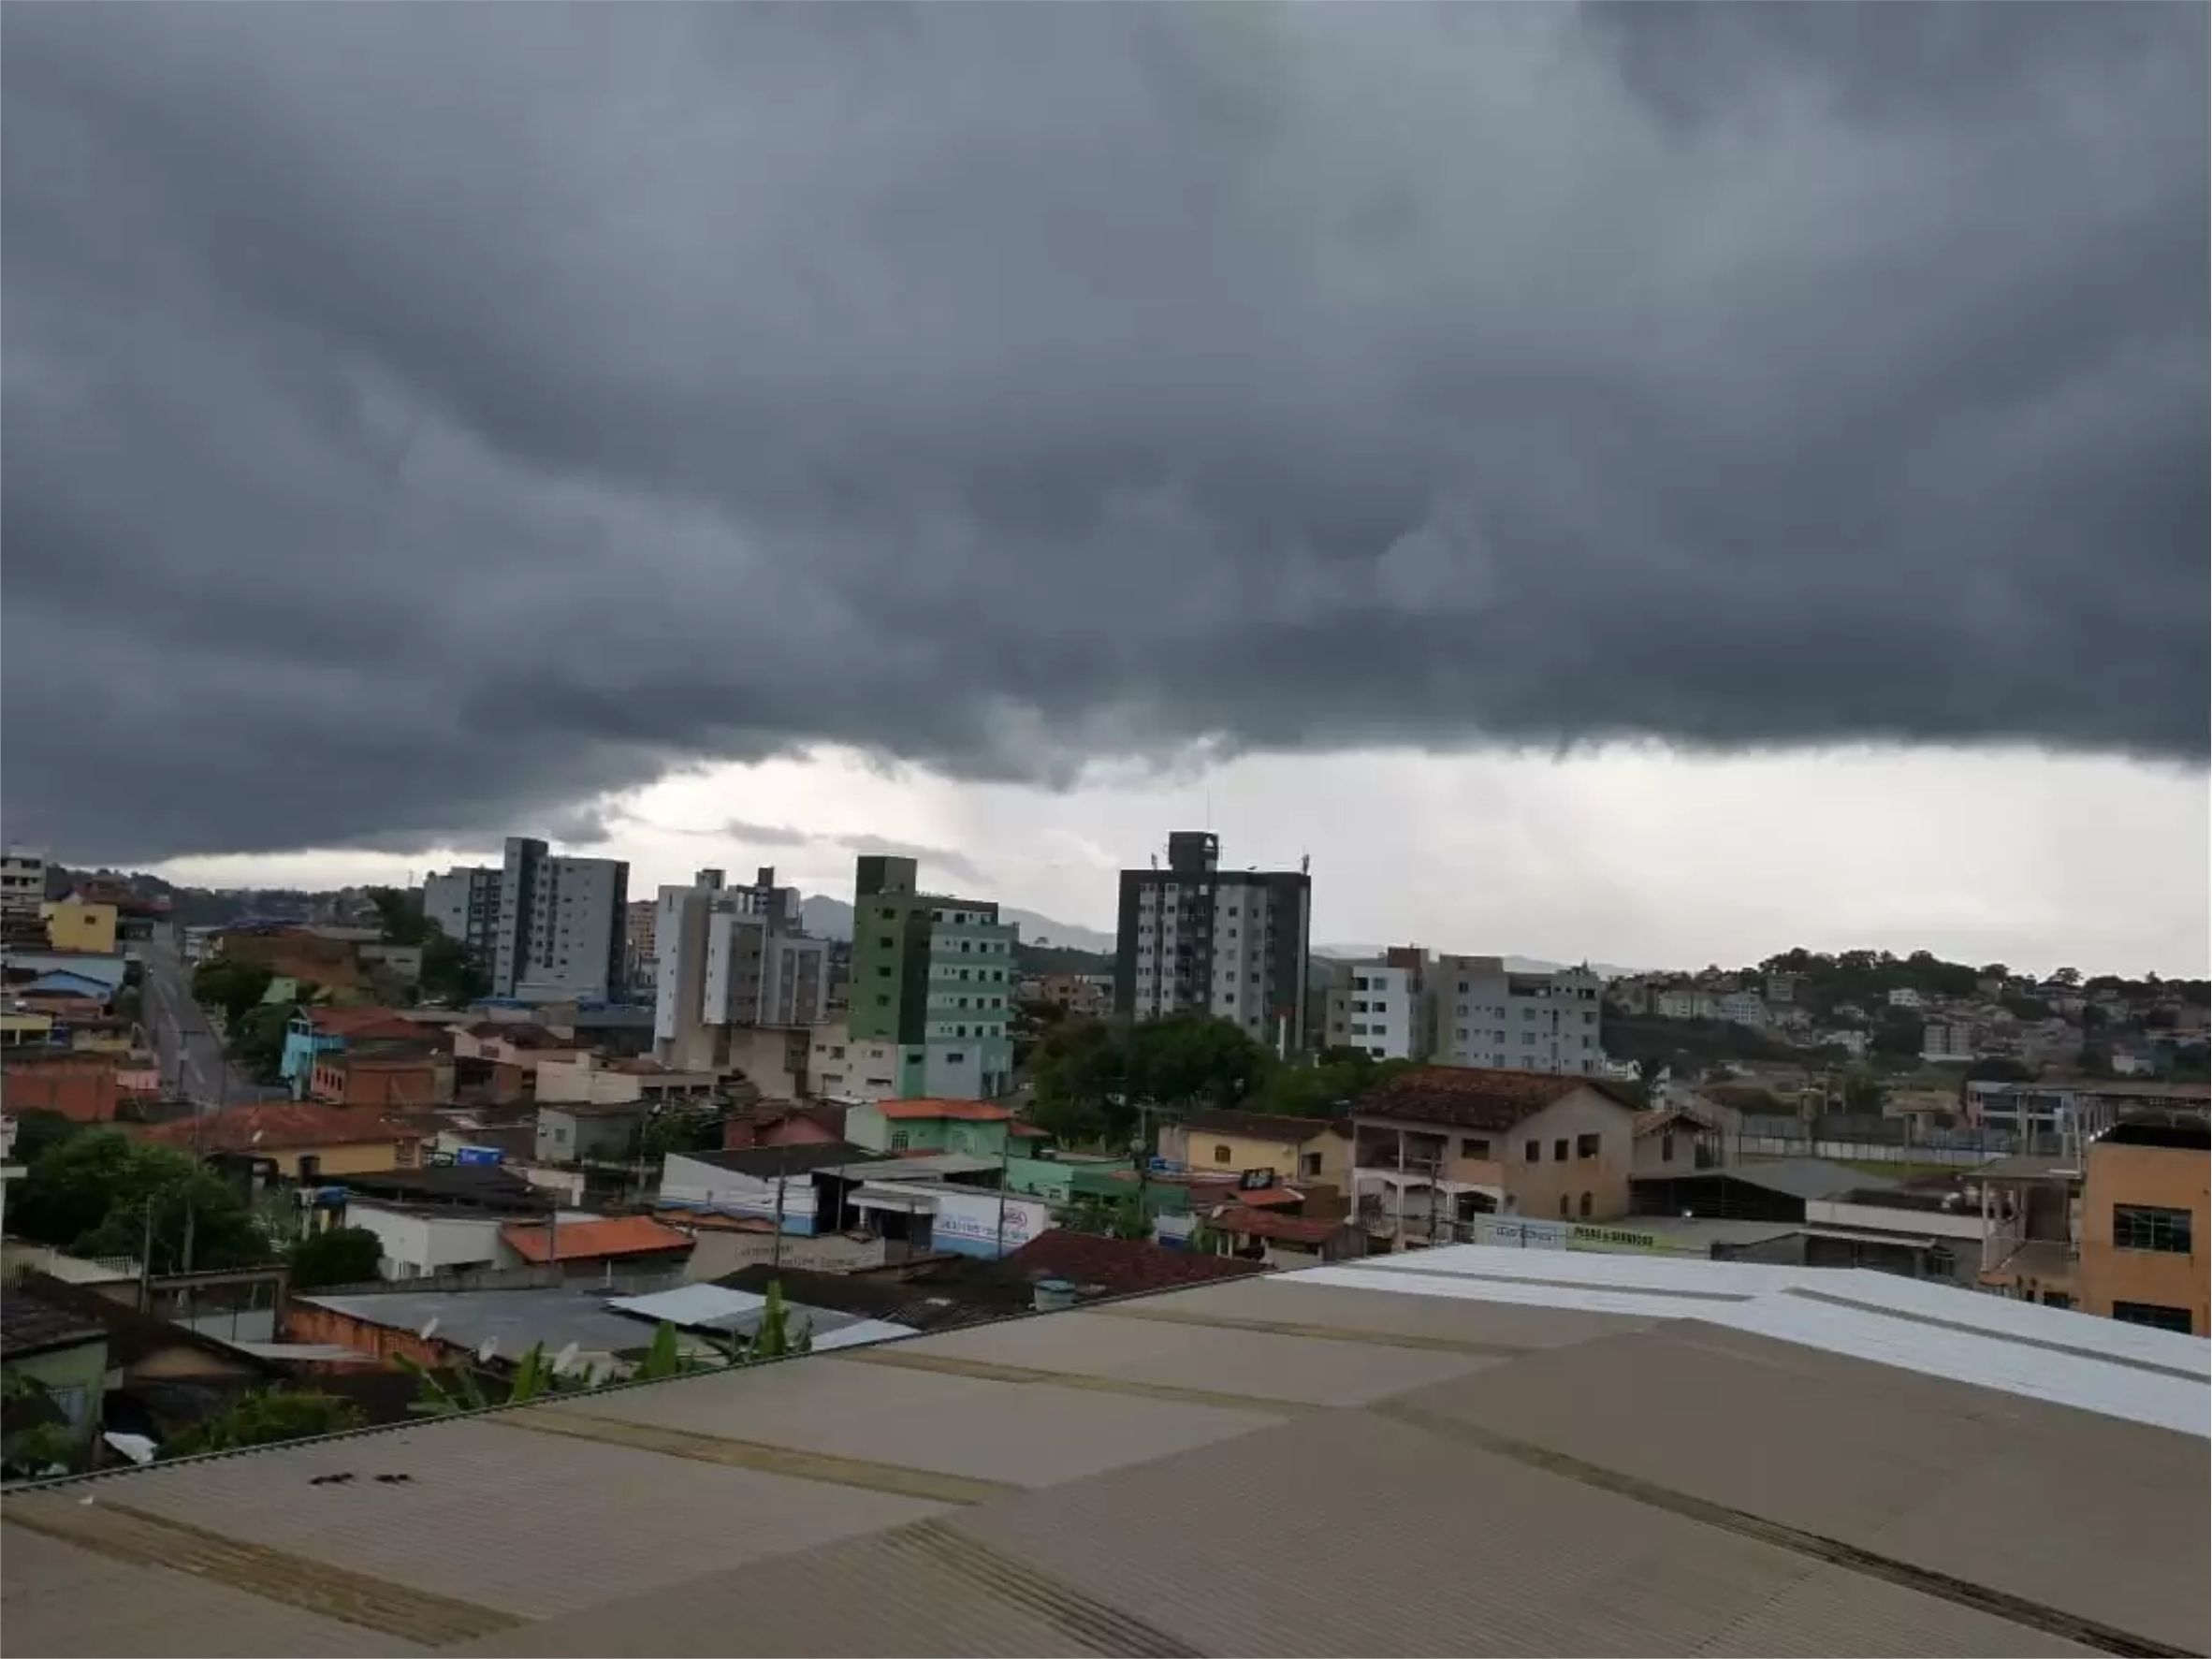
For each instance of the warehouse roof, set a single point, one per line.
(1796, 1177)
(1689, 1457)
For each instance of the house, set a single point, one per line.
(1904, 997)
(1744, 1008)
(65, 995)
(56, 1360)
(1315, 1149)
(784, 1123)
(2143, 1223)
(76, 925)
(977, 1128)
(298, 1141)
(1438, 1144)
(422, 1240)
(1672, 1140)
(576, 1130)
(1277, 1240)
(591, 1079)
(403, 1076)
(313, 1032)
(1686, 1004)
(585, 1248)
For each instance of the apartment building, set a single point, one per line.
(730, 957)
(1486, 1016)
(1744, 1008)
(2143, 1224)
(640, 929)
(1380, 1006)
(560, 926)
(1196, 939)
(464, 902)
(22, 882)
(1947, 1040)
(933, 975)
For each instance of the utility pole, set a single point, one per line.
(1005, 1152)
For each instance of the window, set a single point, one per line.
(1563, 1203)
(1583, 1208)
(883, 973)
(2139, 1226)
(898, 1140)
(884, 942)
(1309, 1164)
(1472, 1148)
(1585, 1145)
(2151, 1313)
(1667, 1149)
(1559, 1152)
(1221, 1154)
(1535, 1152)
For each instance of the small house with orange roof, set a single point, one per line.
(980, 1129)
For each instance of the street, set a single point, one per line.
(191, 1054)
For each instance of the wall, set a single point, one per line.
(357, 1158)
(417, 1245)
(844, 1066)
(1536, 1190)
(71, 926)
(565, 1137)
(305, 1323)
(1199, 1149)
(340, 1082)
(585, 1080)
(2166, 1177)
(83, 1091)
(965, 1222)
(719, 1251)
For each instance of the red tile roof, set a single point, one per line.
(1469, 1098)
(1264, 1126)
(583, 1240)
(1262, 1224)
(966, 1111)
(283, 1125)
(1121, 1267)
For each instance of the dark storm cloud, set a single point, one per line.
(421, 419)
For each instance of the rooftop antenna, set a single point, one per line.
(1305, 864)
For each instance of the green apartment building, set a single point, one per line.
(935, 975)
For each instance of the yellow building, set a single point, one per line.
(1231, 1143)
(23, 1029)
(74, 926)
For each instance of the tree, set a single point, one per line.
(257, 1040)
(449, 973)
(2067, 976)
(341, 1256)
(96, 1193)
(233, 987)
(398, 914)
(1863, 1090)
(264, 1417)
(676, 1128)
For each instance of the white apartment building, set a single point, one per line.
(1744, 1008)
(464, 902)
(1904, 997)
(730, 957)
(22, 882)
(559, 928)
(1486, 1016)
(1378, 1006)
(1196, 939)
(1687, 1003)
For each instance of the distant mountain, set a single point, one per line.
(832, 918)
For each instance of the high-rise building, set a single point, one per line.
(639, 930)
(464, 902)
(935, 975)
(560, 927)
(730, 956)
(1196, 939)
(1483, 1015)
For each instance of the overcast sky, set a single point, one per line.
(428, 422)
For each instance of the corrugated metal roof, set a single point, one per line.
(1282, 1464)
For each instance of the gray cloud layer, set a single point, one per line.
(422, 418)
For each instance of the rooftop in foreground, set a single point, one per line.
(1466, 1451)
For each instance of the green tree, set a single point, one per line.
(1194, 1060)
(449, 973)
(96, 1194)
(2067, 976)
(341, 1256)
(232, 988)
(398, 914)
(1863, 1090)
(266, 1416)
(257, 1040)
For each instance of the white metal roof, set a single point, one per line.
(2124, 1370)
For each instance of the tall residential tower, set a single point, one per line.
(934, 975)
(560, 927)
(730, 956)
(1196, 939)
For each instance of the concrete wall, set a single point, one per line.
(72, 927)
(1227, 1153)
(2161, 1178)
(418, 1245)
